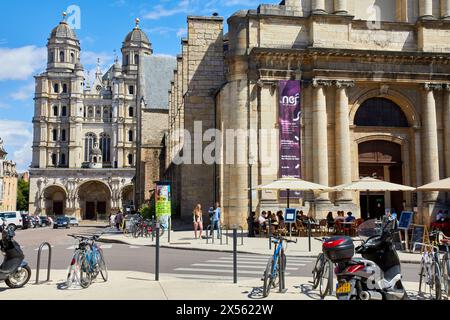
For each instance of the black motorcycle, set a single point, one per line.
(14, 270)
(375, 276)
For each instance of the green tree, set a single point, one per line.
(23, 193)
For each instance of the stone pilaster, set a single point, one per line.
(430, 153)
(320, 137)
(445, 9)
(340, 7)
(342, 136)
(425, 9)
(318, 7)
(446, 126)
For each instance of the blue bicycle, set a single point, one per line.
(276, 262)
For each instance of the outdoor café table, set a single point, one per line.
(347, 224)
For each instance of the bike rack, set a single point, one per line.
(39, 261)
(208, 228)
(242, 234)
(224, 227)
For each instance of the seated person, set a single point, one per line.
(340, 217)
(350, 217)
(440, 217)
(330, 219)
(262, 219)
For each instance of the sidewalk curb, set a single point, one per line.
(223, 250)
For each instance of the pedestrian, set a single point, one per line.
(119, 220)
(215, 221)
(198, 220)
(112, 219)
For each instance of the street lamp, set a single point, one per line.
(251, 231)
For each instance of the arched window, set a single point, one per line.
(63, 159)
(54, 135)
(131, 89)
(56, 88)
(63, 135)
(51, 57)
(72, 57)
(131, 112)
(127, 60)
(380, 112)
(106, 117)
(136, 59)
(53, 159)
(64, 89)
(130, 135)
(105, 146)
(130, 159)
(89, 141)
(90, 112)
(55, 111)
(64, 111)
(61, 56)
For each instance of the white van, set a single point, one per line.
(13, 218)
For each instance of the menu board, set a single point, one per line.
(418, 235)
(405, 220)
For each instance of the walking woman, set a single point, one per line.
(198, 220)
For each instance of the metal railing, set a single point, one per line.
(39, 261)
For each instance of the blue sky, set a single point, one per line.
(25, 26)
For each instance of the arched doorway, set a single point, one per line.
(95, 200)
(55, 200)
(381, 158)
(127, 198)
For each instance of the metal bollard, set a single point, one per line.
(234, 255)
(157, 253)
(39, 261)
(242, 235)
(170, 227)
(153, 227)
(270, 234)
(309, 235)
(208, 232)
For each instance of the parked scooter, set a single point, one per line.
(14, 270)
(377, 276)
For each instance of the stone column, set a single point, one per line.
(342, 136)
(320, 134)
(430, 153)
(445, 9)
(318, 7)
(340, 7)
(446, 125)
(426, 9)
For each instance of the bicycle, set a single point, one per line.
(443, 243)
(276, 262)
(430, 271)
(144, 228)
(323, 274)
(87, 262)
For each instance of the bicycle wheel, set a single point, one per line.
(85, 275)
(267, 280)
(436, 291)
(422, 275)
(444, 268)
(318, 270)
(326, 279)
(102, 265)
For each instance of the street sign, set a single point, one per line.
(290, 215)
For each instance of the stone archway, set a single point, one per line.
(95, 200)
(127, 195)
(55, 200)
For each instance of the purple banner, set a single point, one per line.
(290, 133)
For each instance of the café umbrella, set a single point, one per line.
(441, 185)
(292, 184)
(370, 184)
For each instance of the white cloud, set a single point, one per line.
(18, 140)
(160, 11)
(181, 32)
(160, 30)
(21, 63)
(24, 93)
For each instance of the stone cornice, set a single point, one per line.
(322, 83)
(429, 86)
(344, 84)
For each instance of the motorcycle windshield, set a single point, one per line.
(369, 228)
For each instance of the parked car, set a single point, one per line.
(26, 221)
(61, 222)
(73, 222)
(13, 219)
(44, 221)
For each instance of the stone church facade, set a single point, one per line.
(85, 136)
(375, 99)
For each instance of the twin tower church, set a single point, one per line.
(362, 98)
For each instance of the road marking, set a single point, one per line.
(134, 247)
(106, 246)
(229, 265)
(262, 259)
(262, 263)
(43, 249)
(207, 277)
(217, 271)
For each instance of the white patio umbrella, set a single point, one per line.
(369, 184)
(292, 184)
(441, 185)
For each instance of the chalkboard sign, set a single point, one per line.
(418, 234)
(405, 220)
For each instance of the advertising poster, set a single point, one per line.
(290, 133)
(163, 200)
